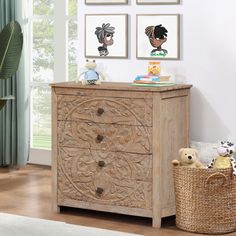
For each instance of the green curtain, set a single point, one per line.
(14, 117)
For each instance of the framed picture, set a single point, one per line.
(106, 35)
(157, 36)
(105, 2)
(158, 2)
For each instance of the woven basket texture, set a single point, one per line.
(205, 200)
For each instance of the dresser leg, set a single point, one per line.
(156, 222)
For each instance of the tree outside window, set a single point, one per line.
(42, 71)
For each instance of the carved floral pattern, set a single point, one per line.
(124, 138)
(115, 110)
(115, 132)
(125, 178)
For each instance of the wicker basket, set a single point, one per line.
(205, 200)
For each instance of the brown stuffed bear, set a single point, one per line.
(188, 157)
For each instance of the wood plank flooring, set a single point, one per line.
(27, 192)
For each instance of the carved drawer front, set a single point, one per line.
(124, 138)
(105, 110)
(119, 179)
(119, 165)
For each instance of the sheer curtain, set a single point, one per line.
(14, 118)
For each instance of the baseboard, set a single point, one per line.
(40, 157)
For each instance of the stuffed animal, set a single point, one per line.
(89, 74)
(188, 157)
(225, 158)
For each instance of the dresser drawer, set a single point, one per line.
(86, 163)
(84, 181)
(136, 139)
(105, 191)
(130, 111)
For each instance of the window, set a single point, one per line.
(72, 39)
(53, 26)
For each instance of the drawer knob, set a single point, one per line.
(101, 163)
(80, 93)
(99, 190)
(99, 138)
(100, 111)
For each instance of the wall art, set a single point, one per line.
(106, 35)
(157, 36)
(158, 1)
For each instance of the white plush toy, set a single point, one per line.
(225, 157)
(89, 74)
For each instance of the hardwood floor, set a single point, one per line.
(28, 192)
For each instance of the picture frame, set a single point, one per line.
(158, 36)
(157, 2)
(106, 35)
(105, 2)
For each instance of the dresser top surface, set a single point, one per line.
(121, 86)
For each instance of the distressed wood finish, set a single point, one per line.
(103, 189)
(175, 127)
(105, 110)
(158, 181)
(125, 178)
(135, 139)
(86, 92)
(113, 145)
(85, 163)
(115, 86)
(55, 206)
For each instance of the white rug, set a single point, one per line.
(13, 225)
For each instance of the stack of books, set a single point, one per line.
(152, 80)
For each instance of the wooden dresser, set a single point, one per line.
(113, 145)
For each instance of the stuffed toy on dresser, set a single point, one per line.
(89, 75)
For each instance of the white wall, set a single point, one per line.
(208, 60)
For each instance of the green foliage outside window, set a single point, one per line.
(43, 65)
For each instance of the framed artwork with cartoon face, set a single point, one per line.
(158, 37)
(153, 2)
(105, 2)
(106, 35)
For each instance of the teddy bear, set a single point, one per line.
(89, 74)
(188, 157)
(225, 157)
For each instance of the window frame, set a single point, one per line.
(61, 20)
